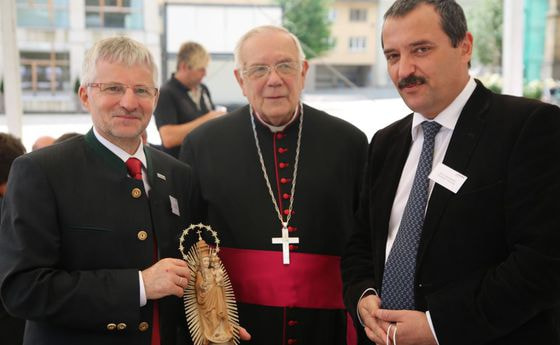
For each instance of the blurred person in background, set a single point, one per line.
(11, 328)
(184, 101)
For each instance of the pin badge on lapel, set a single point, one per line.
(161, 176)
(174, 206)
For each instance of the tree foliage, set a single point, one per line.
(485, 20)
(307, 19)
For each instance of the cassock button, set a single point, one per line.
(293, 247)
(282, 150)
(111, 326)
(286, 196)
(136, 193)
(121, 326)
(280, 135)
(143, 326)
(282, 165)
(286, 212)
(292, 228)
(285, 180)
(292, 323)
(292, 341)
(142, 235)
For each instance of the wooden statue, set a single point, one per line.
(209, 301)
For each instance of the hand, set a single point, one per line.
(243, 334)
(216, 113)
(412, 326)
(165, 278)
(376, 329)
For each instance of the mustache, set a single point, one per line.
(411, 80)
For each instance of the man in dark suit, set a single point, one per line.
(87, 240)
(464, 248)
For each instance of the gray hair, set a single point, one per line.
(121, 50)
(261, 29)
(453, 21)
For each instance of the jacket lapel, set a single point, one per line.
(159, 198)
(464, 140)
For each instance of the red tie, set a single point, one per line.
(134, 167)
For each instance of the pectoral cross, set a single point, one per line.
(285, 241)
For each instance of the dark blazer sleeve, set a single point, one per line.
(33, 283)
(520, 289)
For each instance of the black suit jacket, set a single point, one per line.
(71, 248)
(488, 264)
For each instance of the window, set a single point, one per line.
(358, 14)
(121, 14)
(42, 13)
(357, 44)
(45, 71)
(331, 16)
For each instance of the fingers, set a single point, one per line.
(243, 334)
(165, 278)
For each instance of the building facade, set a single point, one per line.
(53, 36)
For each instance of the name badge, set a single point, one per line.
(447, 177)
(174, 206)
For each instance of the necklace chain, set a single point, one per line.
(296, 163)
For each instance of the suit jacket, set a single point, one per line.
(488, 263)
(72, 243)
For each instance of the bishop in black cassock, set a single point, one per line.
(300, 302)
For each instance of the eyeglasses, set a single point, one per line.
(288, 68)
(116, 89)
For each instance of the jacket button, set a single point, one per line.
(121, 326)
(111, 326)
(136, 193)
(292, 341)
(143, 326)
(142, 235)
(292, 323)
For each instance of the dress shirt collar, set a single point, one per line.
(449, 116)
(123, 155)
(275, 129)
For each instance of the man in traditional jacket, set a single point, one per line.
(87, 240)
(280, 183)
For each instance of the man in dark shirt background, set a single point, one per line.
(184, 102)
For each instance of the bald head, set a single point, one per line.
(41, 142)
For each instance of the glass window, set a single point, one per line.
(45, 71)
(42, 13)
(357, 44)
(122, 14)
(358, 14)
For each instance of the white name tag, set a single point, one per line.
(447, 177)
(174, 206)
